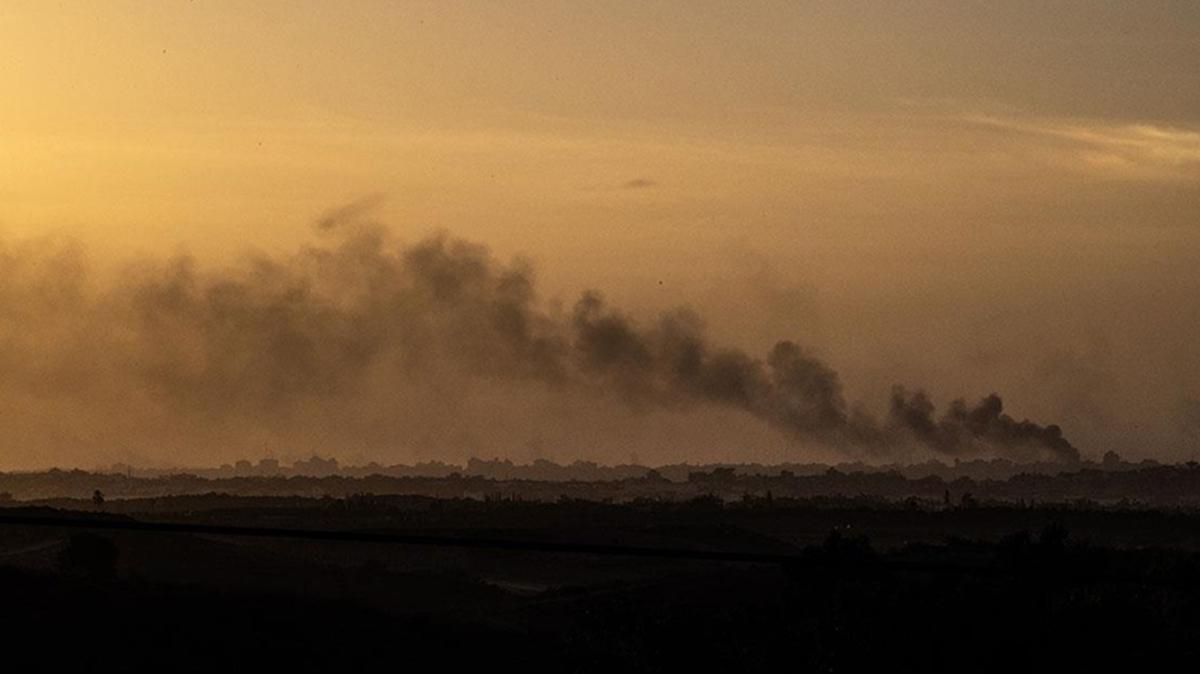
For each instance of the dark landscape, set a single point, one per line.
(727, 569)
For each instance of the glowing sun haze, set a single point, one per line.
(962, 197)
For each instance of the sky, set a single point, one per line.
(960, 197)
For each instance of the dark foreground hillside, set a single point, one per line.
(1033, 596)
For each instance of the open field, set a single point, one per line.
(574, 585)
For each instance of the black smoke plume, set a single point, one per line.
(361, 312)
(972, 429)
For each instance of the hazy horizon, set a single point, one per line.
(198, 202)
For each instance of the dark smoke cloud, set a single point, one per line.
(364, 317)
(971, 429)
(791, 389)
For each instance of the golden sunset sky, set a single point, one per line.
(964, 196)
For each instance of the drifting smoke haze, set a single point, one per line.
(360, 342)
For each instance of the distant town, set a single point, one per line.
(1109, 482)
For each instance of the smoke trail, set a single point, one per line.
(363, 314)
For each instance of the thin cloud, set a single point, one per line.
(1138, 151)
(638, 184)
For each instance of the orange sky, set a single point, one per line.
(965, 196)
